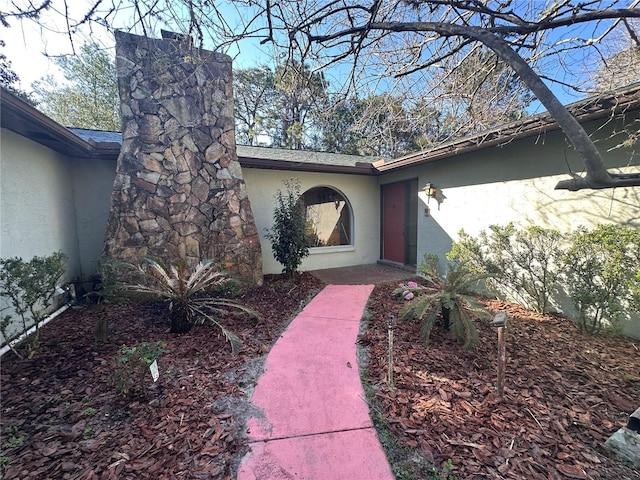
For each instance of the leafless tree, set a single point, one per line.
(620, 64)
(408, 36)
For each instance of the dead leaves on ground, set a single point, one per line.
(565, 394)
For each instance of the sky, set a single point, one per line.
(30, 46)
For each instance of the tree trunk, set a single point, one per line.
(445, 318)
(102, 331)
(180, 318)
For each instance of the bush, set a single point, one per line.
(287, 236)
(522, 264)
(190, 294)
(602, 275)
(447, 298)
(132, 363)
(30, 288)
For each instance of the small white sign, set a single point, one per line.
(154, 370)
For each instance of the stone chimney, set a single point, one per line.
(179, 193)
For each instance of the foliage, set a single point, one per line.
(376, 124)
(280, 106)
(476, 91)
(191, 294)
(524, 264)
(377, 44)
(90, 99)
(105, 287)
(12, 438)
(287, 235)
(617, 66)
(448, 296)
(429, 264)
(29, 287)
(446, 473)
(254, 98)
(300, 92)
(132, 363)
(602, 275)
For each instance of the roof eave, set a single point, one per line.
(590, 109)
(267, 164)
(20, 117)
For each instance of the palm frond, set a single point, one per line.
(186, 291)
(204, 277)
(417, 307)
(232, 338)
(427, 326)
(217, 303)
(450, 292)
(469, 334)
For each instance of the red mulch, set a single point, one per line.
(75, 425)
(565, 394)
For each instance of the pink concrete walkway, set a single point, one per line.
(316, 422)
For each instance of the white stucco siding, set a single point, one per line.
(37, 202)
(516, 183)
(362, 192)
(37, 212)
(93, 183)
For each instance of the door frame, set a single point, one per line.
(410, 232)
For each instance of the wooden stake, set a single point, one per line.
(500, 321)
(390, 330)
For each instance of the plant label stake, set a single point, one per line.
(154, 370)
(500, 321)
(390, 329)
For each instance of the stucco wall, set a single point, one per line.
(516, 183)
(37, 199)
(37, 211)
(93, 183)
(362, 193)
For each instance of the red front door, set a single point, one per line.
(393, 222)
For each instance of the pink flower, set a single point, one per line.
(408, 295)
(412, 284)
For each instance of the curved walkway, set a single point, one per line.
(315, 423)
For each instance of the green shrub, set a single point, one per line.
(132, 365)
(522, 264)
(29, 288)
(106, 287)
(190, 294)
(602, 275)
(447, 298)
(287, 236)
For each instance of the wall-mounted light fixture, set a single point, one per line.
(430, 191)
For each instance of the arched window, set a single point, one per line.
(328, 218)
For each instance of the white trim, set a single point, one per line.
(24, 335)
(334, 249)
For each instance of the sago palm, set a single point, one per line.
(447, 296)
(190, 294)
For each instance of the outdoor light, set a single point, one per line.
(430, 191)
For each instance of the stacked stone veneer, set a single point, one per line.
(179, 192)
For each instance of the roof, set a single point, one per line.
(265, 157)
(592, 108)
(24, 119)
(20, 117)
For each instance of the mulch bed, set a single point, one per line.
(565, 394)
(62, 417)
